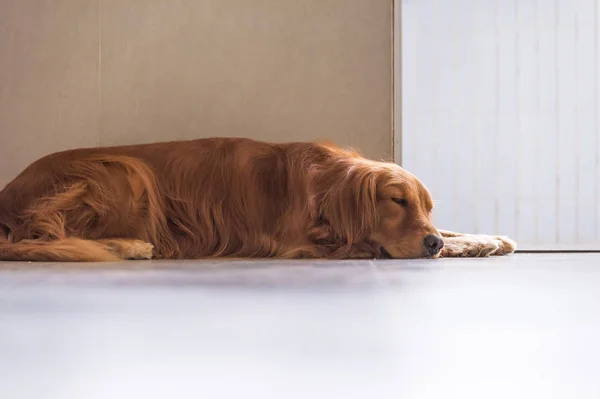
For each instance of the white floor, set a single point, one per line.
(524, 326)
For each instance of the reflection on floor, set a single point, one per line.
(523, 326)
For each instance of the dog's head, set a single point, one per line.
(385, 206)
(403, 227)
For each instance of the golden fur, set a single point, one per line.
(219, 197)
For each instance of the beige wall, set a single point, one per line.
(79, 73)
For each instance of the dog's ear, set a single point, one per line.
(350, 206)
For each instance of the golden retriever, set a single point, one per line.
(223, 197)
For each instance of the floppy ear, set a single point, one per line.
(349, 207)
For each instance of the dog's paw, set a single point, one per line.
(138, 250)
(130, 249)
(508, 246)
(473, 246)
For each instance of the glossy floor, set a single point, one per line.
(523, 326)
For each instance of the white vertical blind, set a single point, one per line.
(500, 116)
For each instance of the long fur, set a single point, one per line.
(205, 198)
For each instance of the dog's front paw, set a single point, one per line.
(472, 246)
(508, 246)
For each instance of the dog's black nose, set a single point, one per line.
(433, 244)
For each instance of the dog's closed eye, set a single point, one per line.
(400, 201)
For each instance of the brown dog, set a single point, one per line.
(222, 198)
